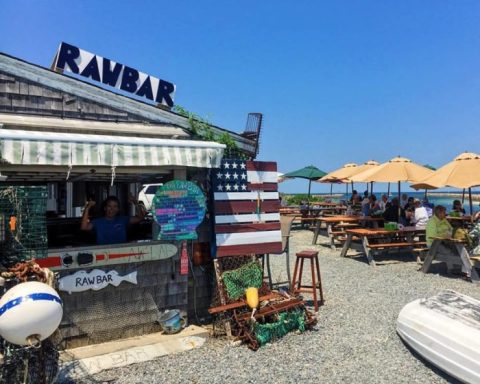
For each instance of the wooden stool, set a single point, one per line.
(316, 280)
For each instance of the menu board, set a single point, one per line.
(179, 207)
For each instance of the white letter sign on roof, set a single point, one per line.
(86, 64)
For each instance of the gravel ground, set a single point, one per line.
(354, 342)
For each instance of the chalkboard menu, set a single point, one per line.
(179, 207)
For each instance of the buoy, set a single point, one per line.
(251, 294)
(29, 313)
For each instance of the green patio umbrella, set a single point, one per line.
(310, 173)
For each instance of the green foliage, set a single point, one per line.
(297, 199)
(202, 129)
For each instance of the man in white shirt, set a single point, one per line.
(420, 217)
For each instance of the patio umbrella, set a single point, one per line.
(364, 167)
(339, 176)
(462, 172)
(397, 170)
(310, 173)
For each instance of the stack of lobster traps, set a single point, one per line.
(277, 313)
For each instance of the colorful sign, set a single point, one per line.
(72, 59)
(179, 207)
(95, 279)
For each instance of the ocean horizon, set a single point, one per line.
(434, 197)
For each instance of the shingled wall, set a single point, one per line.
(18, 95)
(127, 310)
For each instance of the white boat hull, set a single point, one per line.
(445, 330)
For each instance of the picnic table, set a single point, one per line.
(311, 214)
(382, 240)
(336, 226)
(464, 221)
(459, 250)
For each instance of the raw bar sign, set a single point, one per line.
(83, 63)
(247, 218)
(95, 279)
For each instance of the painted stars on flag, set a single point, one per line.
(231, 176)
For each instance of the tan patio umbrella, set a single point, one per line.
(370, 164)
(339, 176)
(462, 172)
(344, 174)
(397, 170)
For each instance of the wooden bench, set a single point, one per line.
(421, 253)
(475, 260)
(396, 245)
(344, 238)
(242, 303)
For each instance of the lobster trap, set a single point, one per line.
(23, 228)
(278, 313)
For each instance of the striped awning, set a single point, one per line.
(20, 147)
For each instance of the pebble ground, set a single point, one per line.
(354, 342)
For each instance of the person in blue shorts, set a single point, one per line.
(112, 227)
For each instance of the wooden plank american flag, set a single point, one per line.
(246, 207)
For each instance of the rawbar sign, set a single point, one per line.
(86, 64)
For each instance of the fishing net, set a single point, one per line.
(23, 228)
(236, 281)
(29, 365)
(287, 321)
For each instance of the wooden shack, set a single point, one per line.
(80, 140)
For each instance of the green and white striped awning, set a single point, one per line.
(72, 149)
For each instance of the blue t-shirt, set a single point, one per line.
(111, 231)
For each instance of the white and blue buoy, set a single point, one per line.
(29, 312)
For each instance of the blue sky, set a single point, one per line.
(337, 81)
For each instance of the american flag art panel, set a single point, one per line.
(246, 205)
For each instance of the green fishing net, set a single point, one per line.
(287, 322)
(23, 226)
(237, 280)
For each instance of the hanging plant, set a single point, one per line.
(202, 129)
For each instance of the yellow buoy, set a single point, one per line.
(251, 294)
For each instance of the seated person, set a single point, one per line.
(365, 203)
(354, 198)
(356, 202)
(438, 226)
(409, 214)
(392, 211)
(375, 209)
(420, 215)
(383, 203)
(410, 204)
(457, 209)
(428, 206)
(112, 227)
